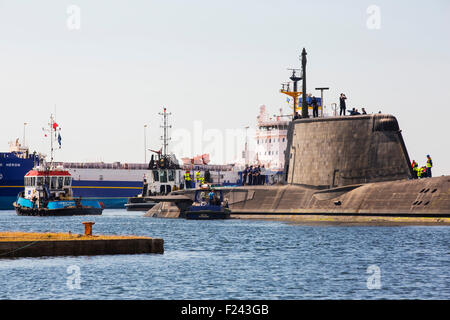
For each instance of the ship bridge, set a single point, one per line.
(271, 140)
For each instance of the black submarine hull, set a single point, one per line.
(349, 168)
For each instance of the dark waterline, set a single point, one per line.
(235, 259)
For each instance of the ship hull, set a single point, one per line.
(6, 202)
(207, 215)
(12, 171)
(402, 198)
(145, 205)
(21, 211)
(402, 201)
(113, 194)
(71, 207)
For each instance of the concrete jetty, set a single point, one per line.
(340, 169)
(28, 244)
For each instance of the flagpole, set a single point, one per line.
(51, 140)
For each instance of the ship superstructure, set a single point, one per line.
(13, 167)
(271, 135)
(165, 174)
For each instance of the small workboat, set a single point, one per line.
(48, 192)
(208, 205)
(164, 176)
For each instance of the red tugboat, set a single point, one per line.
(48, 192)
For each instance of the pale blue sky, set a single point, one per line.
(215, 61)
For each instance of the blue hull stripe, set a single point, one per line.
(53, 205)
(109, 203)
(106, 189)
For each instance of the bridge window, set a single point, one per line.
(171, 175)
(155, 175)
(54, 182)
(163, 176)
(67, 181)
(60, 182)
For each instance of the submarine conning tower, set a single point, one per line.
(341, 151)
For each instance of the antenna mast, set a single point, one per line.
(294, 94)
(304, 104)
(165, 138)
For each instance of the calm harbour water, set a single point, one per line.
(235, 259)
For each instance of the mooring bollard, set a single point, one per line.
(88, 228)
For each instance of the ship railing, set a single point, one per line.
(17, 154)
(137, 166)
(101, 165)
(210, 167)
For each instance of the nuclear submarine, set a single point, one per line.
(341, 169)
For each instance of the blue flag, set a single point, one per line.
(59, 140)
